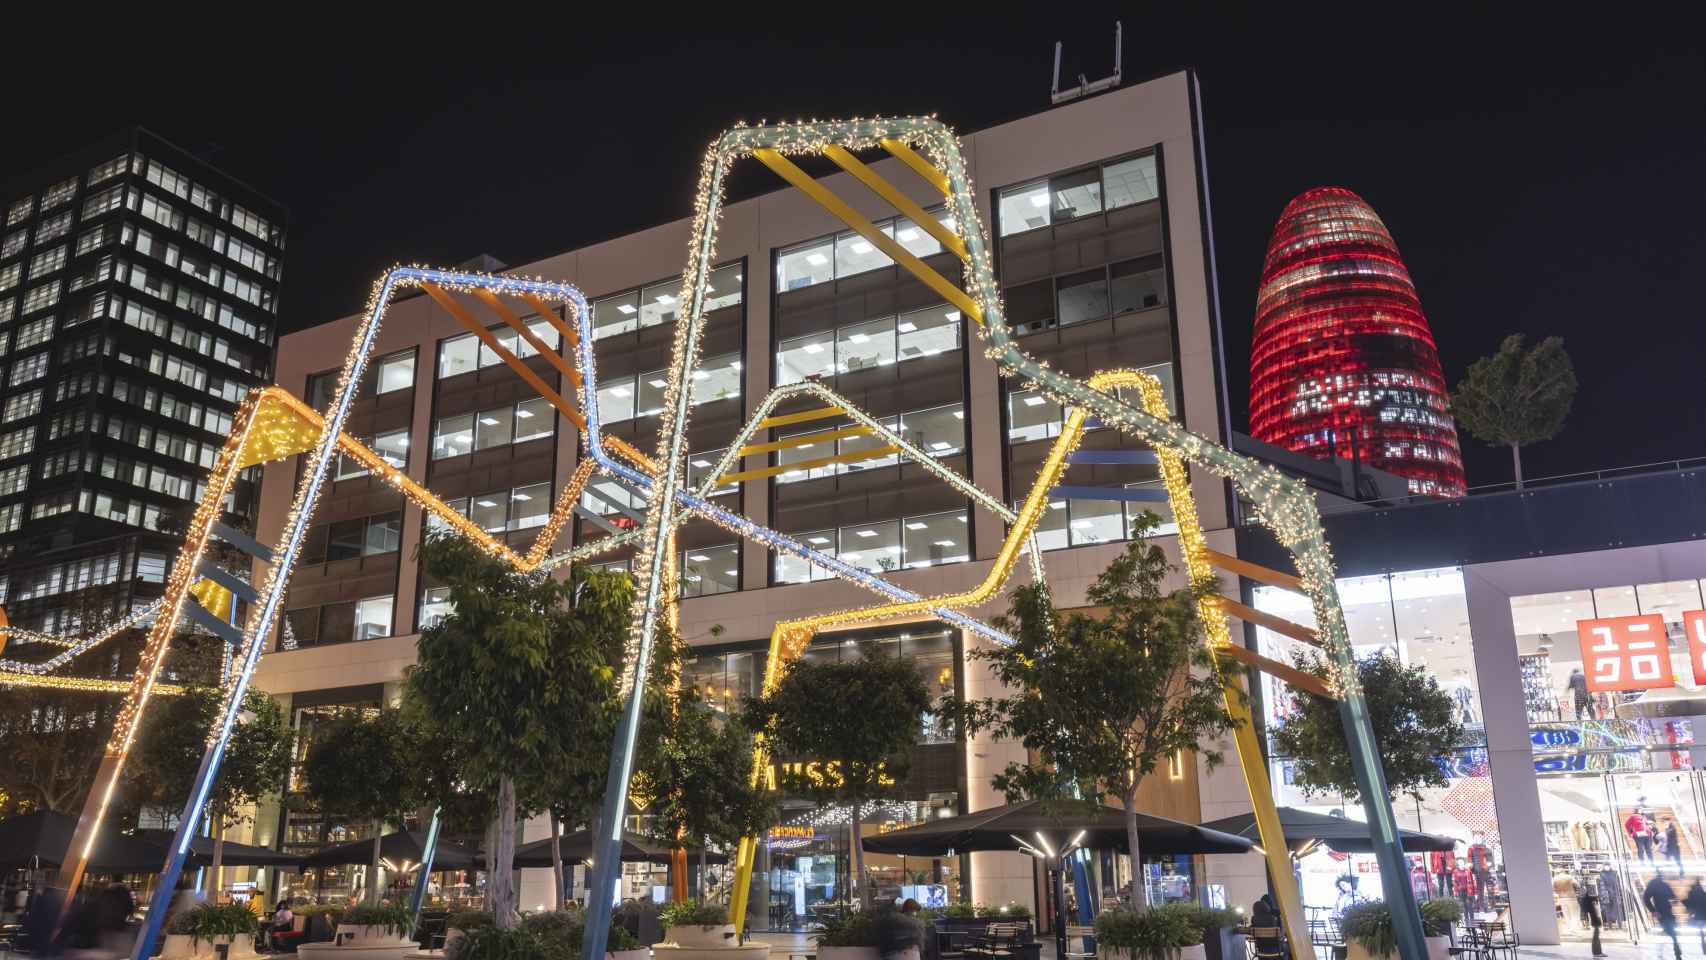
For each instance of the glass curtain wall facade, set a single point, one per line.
(1421, 618)
(806, 861)
(1620, 798)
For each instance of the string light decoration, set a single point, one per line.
(929, 148)
(74, 647)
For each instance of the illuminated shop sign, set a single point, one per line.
(823, 773)
(1633, 653)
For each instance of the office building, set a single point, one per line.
(1343, 363)
(1097, 211)
(139, 293)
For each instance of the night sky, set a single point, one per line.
(1539, 178)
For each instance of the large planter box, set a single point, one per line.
(184, 945)
(1224, 945)
(1439, 948)
(639, 953)
(848, 953)
(1356, 951)
(714, 935)
(371, 935)
(1193, 952)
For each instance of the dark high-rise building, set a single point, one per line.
(1343, 363)
(139, 292)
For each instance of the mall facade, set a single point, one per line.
(1506, 599)
(1098, 215)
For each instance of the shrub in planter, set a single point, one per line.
(490, 943)
(960, 911)
(1011, 910)
(1215, 927)
(466, 920)
(850, 936)
(690, 923)
(1367, 927)
(560, 934)
(1159, 933)
(386, 921)
(1438, 915)
(196, 931)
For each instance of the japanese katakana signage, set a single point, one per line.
(1627, 653)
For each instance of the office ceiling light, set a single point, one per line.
(940, 445)
(697, 557)
(916, 525)
(942, 543)
(906, 234)
(861, 247)
(907, 326)
(625, 307)
(484, 503)
(701, 463)
(816, 259)
(817, 541)
(814, 348)
(620, 391)
(865, 533)
(523, 414)
(859, 338)
(657, 383)
(1039, 200)
(521, 496)
(664, 298)
(1033, 401)
(488, 421)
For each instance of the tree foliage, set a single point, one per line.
(851, 723)
(697, 773)
(173, 738)
(1415, 727)
(362, 768)
(1101, 701)
(1517, 397)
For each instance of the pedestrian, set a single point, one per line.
(1588, 901)
(1695, 901)
(1673, 843)
(1578, 687)
(1660, 901)
(283, 922)
(1636, 827)
(899, 934)
(112, 917)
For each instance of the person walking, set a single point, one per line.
(1695, 901)
(1636, 827)
(1660, 901)
(1578, 688)
(1673, 844)
(899, 934)
(1588, 901)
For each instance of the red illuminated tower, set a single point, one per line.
(1343, 362)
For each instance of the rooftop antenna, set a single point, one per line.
(1087, 86)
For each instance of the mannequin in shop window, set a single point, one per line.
(1577, 687)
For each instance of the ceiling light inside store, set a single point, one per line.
(865, 533)
(1034, 401)
(697, 557)
(915, 525)
(816, 259)
(625, 307)
(861, 247)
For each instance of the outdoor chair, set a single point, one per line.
(1267, 943)
(998, 940)
(1081, 933)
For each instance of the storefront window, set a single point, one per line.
(1611, 709)
(1420, 617)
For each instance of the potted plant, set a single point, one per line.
(1438, 915)
(1216, 926)
(850, 936)
(465, 921)
(689, 923)
(1367, 928)
(385, 923)
(1160, 933)
(490, 943)
(199, 930)
(561, 932)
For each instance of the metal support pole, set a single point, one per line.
(426, 871)
(1383, 828)
(1086, 897)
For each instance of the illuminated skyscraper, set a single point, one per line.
(1343, 363)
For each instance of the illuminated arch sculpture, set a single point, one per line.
(1283, 505)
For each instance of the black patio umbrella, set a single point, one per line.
(41, 839)
(1304, 829)
(234, 855)
(404, 845)
(1018, 826)
(578, 846)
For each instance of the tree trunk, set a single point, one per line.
(1139, 893)
(218, 853)
(859, 886)
(491, 855)
(557, 862)
(502, 882)
(702, 857)
(1516, 464)
(373, 868)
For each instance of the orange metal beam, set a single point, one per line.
(1255, 572)
(1290, 674)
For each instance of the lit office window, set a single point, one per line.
(805, 265)
(1082, 297)
(699, 466)
(435, 606)
(617, 314)
(490, 512)
(1078, 193)
(1130, 181)
(658, 303)
(792, 569)
(854, 254)
(373, 618)
(494, 428)
(803, 358)
(1032, 416)
(865, 345)
(394, 447)
(936, 539)
(927, 332)
(807, 450)
(1051, 532)
(435, 524)
(1096, 521)
(453, 436)
(939, 431)
(395, 372)
(1024, 208)
(1137, 284)
(709, 570)
(616, 400)
(606, 497)
(529, 506)
(716, 378)
(872, 546)
(458, 355)
(534, 419)
(723, 289)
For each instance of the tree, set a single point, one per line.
(851, 724)
(697, 773)
(515, 669)
(173, 738)
(1100, 702)
(363, 768)
(1415, 727)
(1515, 397)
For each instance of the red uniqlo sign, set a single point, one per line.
(1694, 624)
(1626, 653)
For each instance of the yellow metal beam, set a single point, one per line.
(900, 201)
(763, 472)
(567, 330)
(1255, 572)
(919, 165)
(1290, 674)
(803, 439)
(786, 169)
(788, 419)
